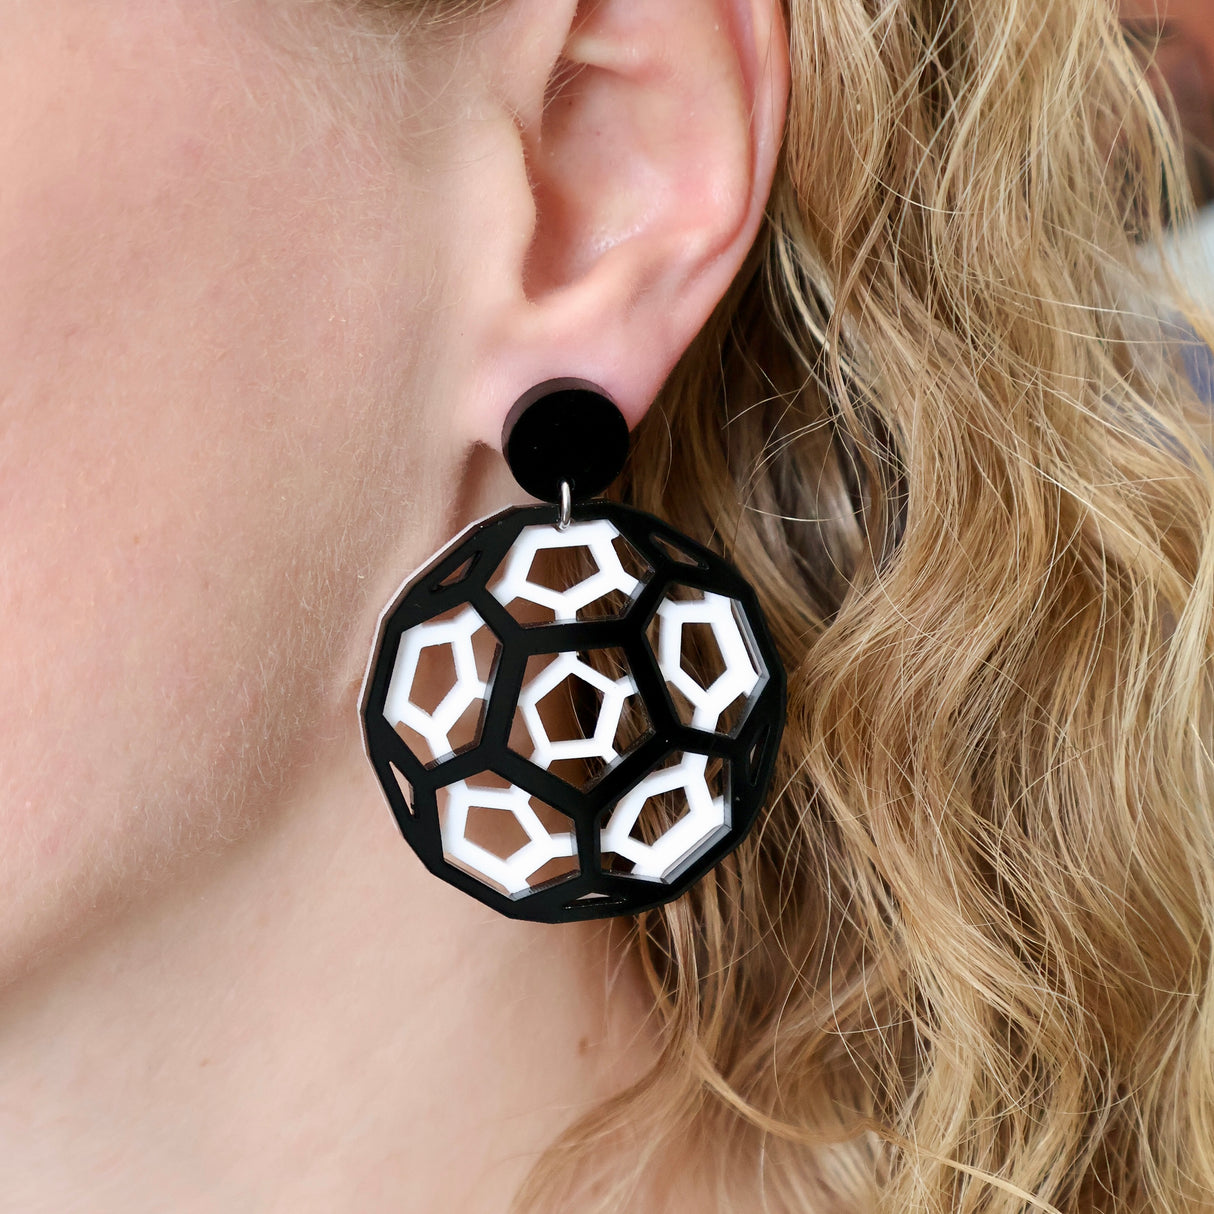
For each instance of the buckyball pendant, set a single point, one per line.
(574, 709)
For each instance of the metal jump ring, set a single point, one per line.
(566, 506)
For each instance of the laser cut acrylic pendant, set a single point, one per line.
(581, 749)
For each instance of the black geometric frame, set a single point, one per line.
(748, 753)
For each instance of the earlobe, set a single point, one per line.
(650, 163)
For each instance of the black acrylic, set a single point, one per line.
(565, 430)
(749, 751)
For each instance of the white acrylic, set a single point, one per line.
(601, 744)
(738, 676)
(595, 534)
(399, 708)
(702, 824)
(513, 872)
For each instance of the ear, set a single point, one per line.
(643, 152)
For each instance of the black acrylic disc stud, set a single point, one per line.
(580, 749)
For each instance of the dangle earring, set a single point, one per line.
(573, 745)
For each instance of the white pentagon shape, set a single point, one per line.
(511, 873)
(702, 824)
(595, 534)
(739, 676)
(399, 707)
(600, 744)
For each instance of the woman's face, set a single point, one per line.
(272, 274)
(218, 360)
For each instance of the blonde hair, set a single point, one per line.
(942, 424)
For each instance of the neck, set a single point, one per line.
(308, 1020)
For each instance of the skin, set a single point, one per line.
(268, 297)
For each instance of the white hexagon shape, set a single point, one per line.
(400, 707)
(701, 826)
(512, 873)
(596, 535)
(738, 675)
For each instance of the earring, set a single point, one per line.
(574, 709)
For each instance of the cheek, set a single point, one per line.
(184, 442)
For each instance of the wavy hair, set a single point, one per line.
(942, 423)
